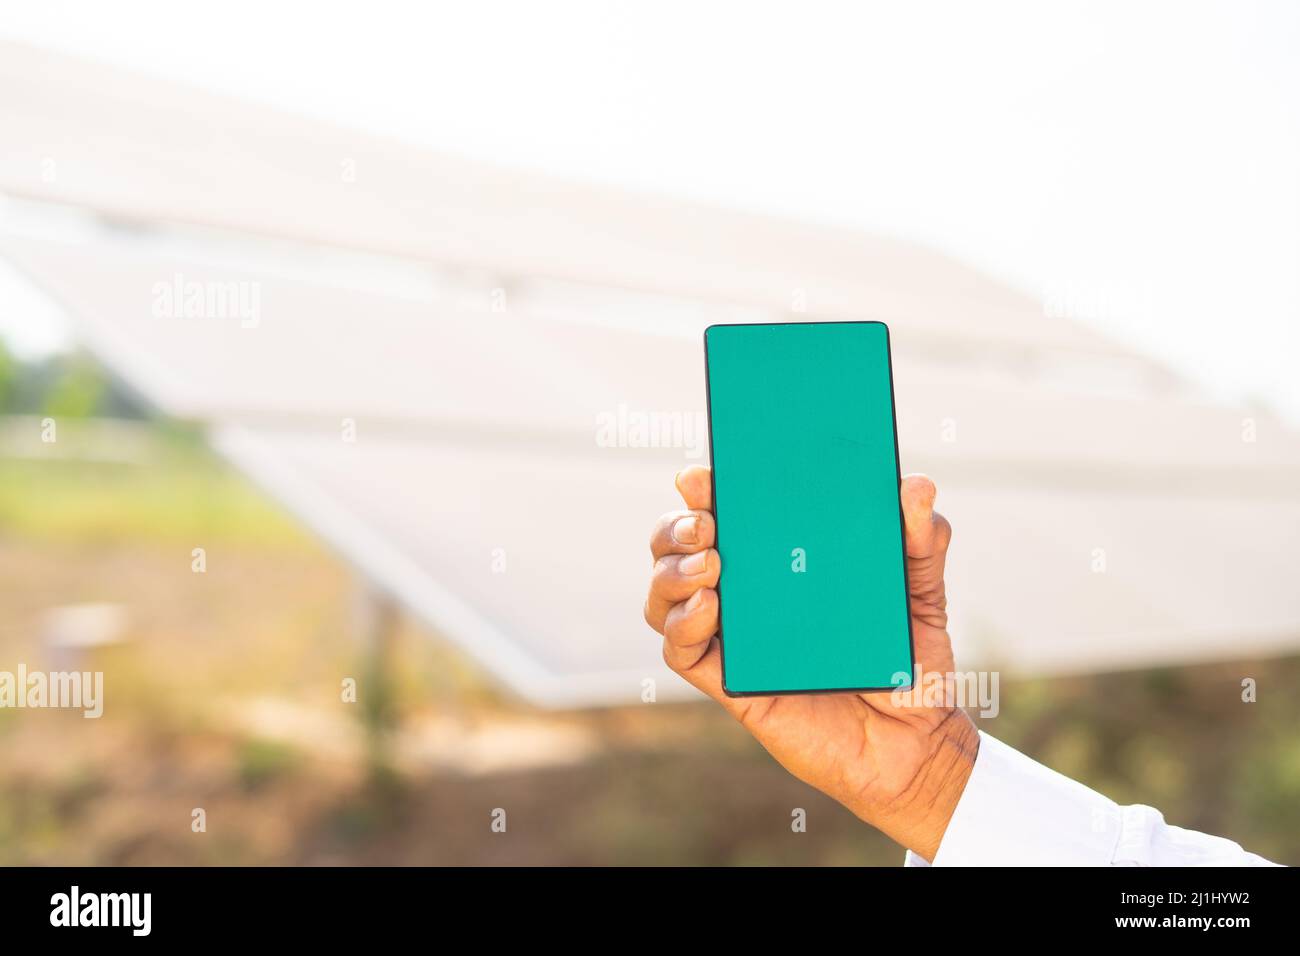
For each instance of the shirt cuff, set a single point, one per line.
(1016, 812)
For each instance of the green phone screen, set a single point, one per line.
(813, 594)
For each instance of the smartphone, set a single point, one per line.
(804, 447)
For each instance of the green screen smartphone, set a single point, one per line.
(813, 591)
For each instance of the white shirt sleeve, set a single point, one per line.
(1016, 812)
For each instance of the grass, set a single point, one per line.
(263, 761)
(179, 493)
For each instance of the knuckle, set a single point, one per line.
(664, 572)
(943, 530)
(657, 532)
(672, 629)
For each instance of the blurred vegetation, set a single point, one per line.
(269, 626)
(262, 761)
(9, 369)
(179, 494)
(64, 385)
(174, 492)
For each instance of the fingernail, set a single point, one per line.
(687, 530)
(694, 563)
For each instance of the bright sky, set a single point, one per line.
(1139, 162)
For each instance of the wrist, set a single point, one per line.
(918, 817)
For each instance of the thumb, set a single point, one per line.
(917, 493)
(927, 534)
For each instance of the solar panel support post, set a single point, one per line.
(377, 617)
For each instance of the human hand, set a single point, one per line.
(898, 765)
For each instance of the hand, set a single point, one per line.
(900, 768)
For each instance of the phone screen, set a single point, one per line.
(813, 590)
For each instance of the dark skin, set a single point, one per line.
(901, 768)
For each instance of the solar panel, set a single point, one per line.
(451, 444)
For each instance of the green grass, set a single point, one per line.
(179, 492)
(262, 761)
